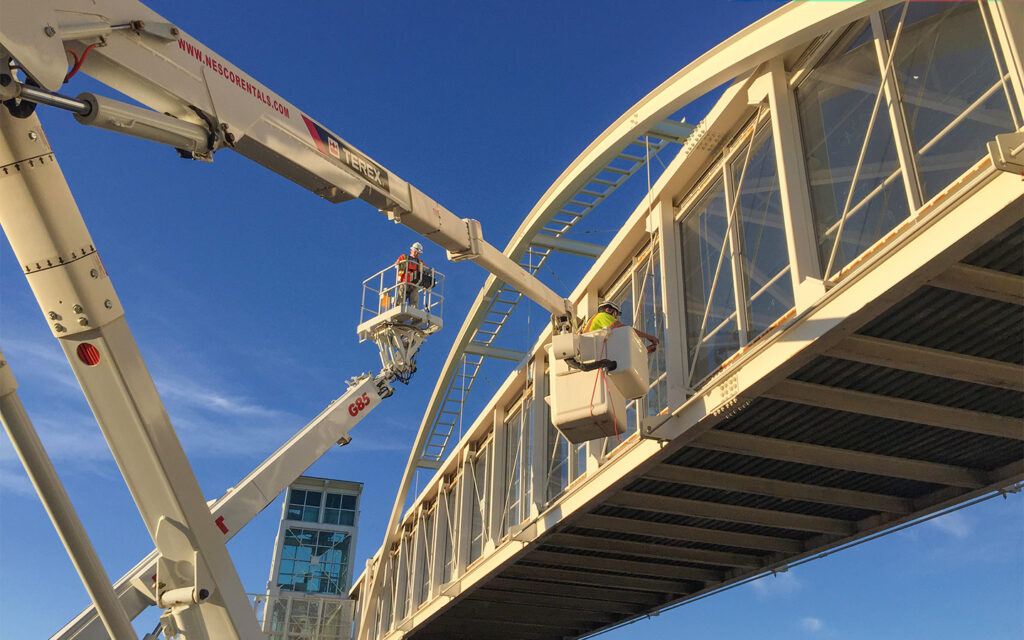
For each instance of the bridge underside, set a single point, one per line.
(917, 407)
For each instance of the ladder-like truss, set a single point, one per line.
(532, 252)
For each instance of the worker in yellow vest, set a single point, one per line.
(607, 315)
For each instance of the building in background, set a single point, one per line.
(307, 593)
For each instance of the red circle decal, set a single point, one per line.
(88, 354)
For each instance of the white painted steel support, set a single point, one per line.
(1008, 19)
(733, 240)
(568, 246)
(804, 267)
(671, 264)
(538, 435)
(497, 486)
(897, 117)
(51, 242)
(240, 504)
(51, 491)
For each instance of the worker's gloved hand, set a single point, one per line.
(654, 345)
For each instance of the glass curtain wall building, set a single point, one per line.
(307, 594)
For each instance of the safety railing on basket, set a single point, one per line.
(402, 290)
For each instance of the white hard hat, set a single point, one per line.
(416, 247)
(613, 305)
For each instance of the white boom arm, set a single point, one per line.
(212, 104)
(241, 503)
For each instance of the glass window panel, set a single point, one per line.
(479, 505)
(947, 70)
(449, 525)
(557, 463)
(527, 454)
(769, 291)
(348, 502)
(835, 105)
(332, 516)
(333, 501)
(652, 321)
(320, 561)
(513, 444)
(707, 277)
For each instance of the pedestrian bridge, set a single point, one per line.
(834, 265)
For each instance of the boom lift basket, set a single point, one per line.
(591, 377)
(399, 315)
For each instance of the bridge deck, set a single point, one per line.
(784, 478)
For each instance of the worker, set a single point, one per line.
(607, 315)
(410, 272)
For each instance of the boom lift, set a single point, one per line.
(199, 103)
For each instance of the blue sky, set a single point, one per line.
(242, 292)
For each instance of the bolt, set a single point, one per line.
(77, 308)
(32, 135)
(204, 594)
(175, 31)
(4, 79)
(59, 328)
(49, 31)
(108, 304)
(53, 315)
(94, 273)
(84, 322)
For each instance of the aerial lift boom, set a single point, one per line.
(244, 501)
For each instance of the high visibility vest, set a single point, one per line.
(601, 320)
(408, 268)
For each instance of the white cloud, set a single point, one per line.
(813, 625)
(955, 524)
(777, 585)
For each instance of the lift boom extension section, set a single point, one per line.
(200, 103)
(242, 502)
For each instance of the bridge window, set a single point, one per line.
(426, 548)
(955, 94)
(450, 526)
(557, 463)
(766, 285)
(314, 561)
(513, 454)
(478, 511)
(304, 505)
(847, 135)
(712, 331)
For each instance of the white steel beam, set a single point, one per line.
(604, 595)
(1008, 19)
(568, 246)
(585, 577)
(631, 567)
(495, 352)
(794, 190)
(897, 117)
(889, 408)
(933, 362)
(558, 599)
(845, 459)
(779, 488)
(690, 534)
(729, 513)
(651, 550)
(986, 283)
(58, 506)
(50, 239)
